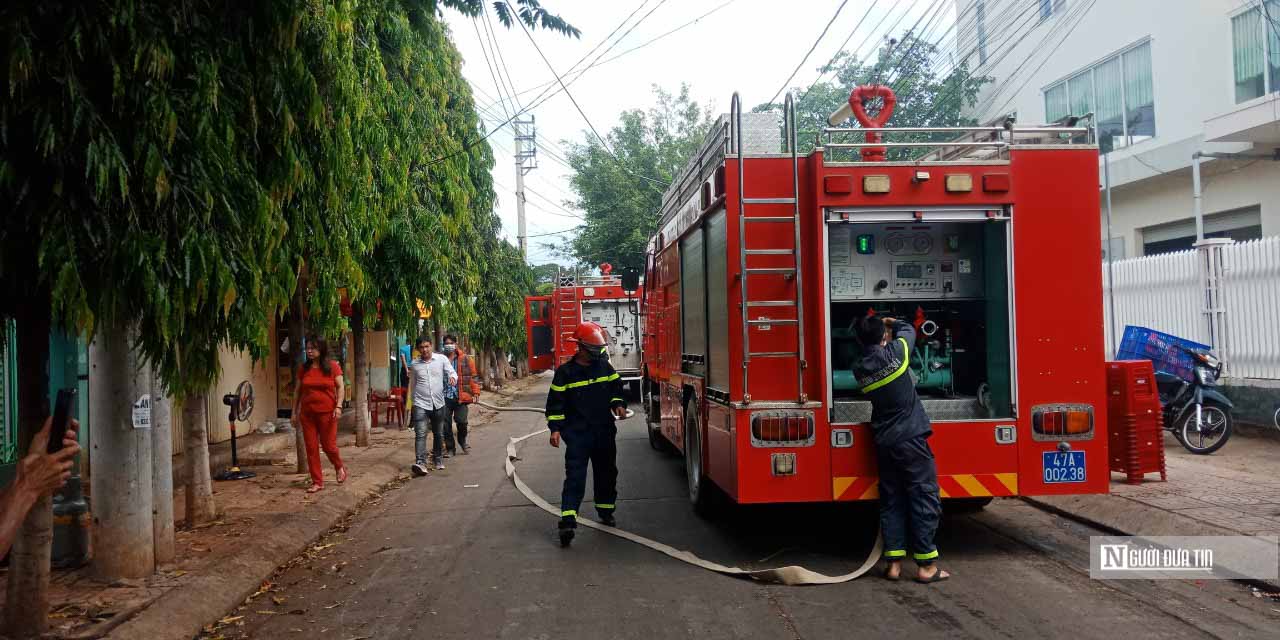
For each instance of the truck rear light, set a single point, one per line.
(1062, 422)
(784, 464)
(782, 428)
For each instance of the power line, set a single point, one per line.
(578, 107)
(548, 85)
(823, 72)
(579, 73)
(611, 46)
(485, 51)
(1011, 38)
(1079, 18)
(809, 52)
(511, 91)
(875, 79)
(466, 146)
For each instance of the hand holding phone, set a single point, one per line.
(61, 418)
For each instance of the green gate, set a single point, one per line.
(68, 367)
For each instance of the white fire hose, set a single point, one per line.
(789, 575)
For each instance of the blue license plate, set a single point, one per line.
(1063, 466)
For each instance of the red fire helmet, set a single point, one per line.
(589, 334)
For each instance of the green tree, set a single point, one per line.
(544, 278)
(620, 192)
(174, 168)
(925, 98)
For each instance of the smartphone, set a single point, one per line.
(61, 418)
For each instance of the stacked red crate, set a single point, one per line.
(1134, 428)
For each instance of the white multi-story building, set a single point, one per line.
(1165, 79)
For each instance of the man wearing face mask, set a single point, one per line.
(458, 397)
(585, 400)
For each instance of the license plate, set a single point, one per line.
(1063, 466)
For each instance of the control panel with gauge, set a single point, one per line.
(941, 260)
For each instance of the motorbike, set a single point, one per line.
(1195, 411)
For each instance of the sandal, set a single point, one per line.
(938, 576)
(315, 488)
(891, 578)
(342, 475)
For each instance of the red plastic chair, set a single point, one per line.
(395, 405)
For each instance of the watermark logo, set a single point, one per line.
(1184, 557)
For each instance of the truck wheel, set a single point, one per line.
(701, 492)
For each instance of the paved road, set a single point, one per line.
(438, 559)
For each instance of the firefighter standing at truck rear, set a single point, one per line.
(909, 503)
(585, 399)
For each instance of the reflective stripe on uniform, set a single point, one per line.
(896, 553)
(616, 400)
(925, 556)
(897, 372)
(606, 506)
(583, 383)
(555, 417)
(568, 513)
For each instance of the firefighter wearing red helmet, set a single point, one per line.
(584, 401)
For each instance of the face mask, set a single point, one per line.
(596, 353)
(449, 348)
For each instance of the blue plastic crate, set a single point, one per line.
(1141, 343)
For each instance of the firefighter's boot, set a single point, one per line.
(606, 517)
(568, 525)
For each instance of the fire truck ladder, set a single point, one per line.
(568, 306)
(794, 271)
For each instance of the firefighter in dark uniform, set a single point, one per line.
(585, 399)
(909, 503)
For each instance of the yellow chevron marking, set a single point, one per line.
(1009, 480)
(840, 485)
(872, 491)
(971, 485)
(942, 493)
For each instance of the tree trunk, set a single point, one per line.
(27, 596)
(120, 385)
(161, 473)
(201, 507)
(296, 355)
(486, 375)
(361, 391)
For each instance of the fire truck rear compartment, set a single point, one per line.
(948, 279)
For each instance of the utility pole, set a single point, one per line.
(526, 160)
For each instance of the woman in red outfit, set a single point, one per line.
(317, 410)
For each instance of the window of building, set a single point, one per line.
(980, 12)
(1119, 92)
(1256, 50)
(1050, 7)
(1239, 225)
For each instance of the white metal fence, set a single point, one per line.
(1167, 293)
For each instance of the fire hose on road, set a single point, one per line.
(789, 575)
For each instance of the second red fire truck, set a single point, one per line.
(764, 259)
(577, 297)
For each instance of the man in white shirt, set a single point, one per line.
(427, 375)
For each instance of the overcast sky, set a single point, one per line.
(749, 46)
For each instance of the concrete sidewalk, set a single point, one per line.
(1235, 491)
(265, 522)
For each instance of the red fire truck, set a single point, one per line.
(550, 321)
(989, 243)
